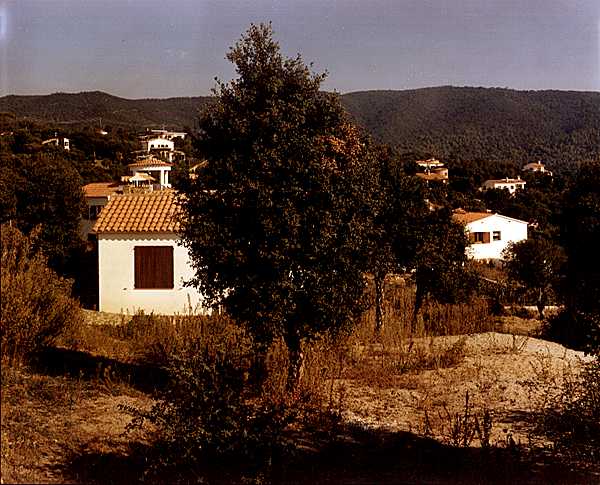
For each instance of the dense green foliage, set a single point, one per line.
(273, 223)
(466, 125)
(537, 264)
(97, 109)
(580, 235)
(473, 126)
(36, 303)
(44, 189)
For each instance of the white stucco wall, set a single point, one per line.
(116, 276)
(511, 230)
(160, 143)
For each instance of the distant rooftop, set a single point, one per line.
(100, 189)
(464, 217)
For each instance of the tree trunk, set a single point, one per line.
(541, 303)
(419, 298)
(296, 361)
(258, 370)
(379, 281)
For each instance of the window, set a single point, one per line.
(480, 237)
(153, 267)
(94, 211)
(496, 236)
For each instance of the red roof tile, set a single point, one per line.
(142, 212)
(100, 189)
(467, 217)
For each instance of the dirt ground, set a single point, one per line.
(510, 376)
(64, 430)
(47, 421)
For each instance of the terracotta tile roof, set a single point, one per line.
(150, 162)
(142, 212)
(464, 217)
(100, 189)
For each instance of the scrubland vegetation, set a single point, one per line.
(316, 365)
(218, 411)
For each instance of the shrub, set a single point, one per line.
(575, 329)
(571, 418)
(36, 302)
(214, 413)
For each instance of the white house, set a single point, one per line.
(434, 175)
(141, 264)
(430, 163)
(161, 143)
(59, 142)
(512, 185)
(537, 167)
(154, 167)
(490, 234)
(169, 135)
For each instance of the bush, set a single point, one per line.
(571, 419)
(575, 329)
(36, 302)
(215, 413)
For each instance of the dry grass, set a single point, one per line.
(47, 420)
(448, 380)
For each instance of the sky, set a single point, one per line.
(166, 48)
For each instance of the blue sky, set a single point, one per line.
(162, 48)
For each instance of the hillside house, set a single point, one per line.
(141, 264)
(169, 135)
(149, 171)
(490, 234)
(432, 170)
(512, 185)
(434, 175)
(429, 164)
(161, 144)
(537, 167)
(59, 142)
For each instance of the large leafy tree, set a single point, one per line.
(439, 265)
(45, 190)
(410, 235)
(580, 234)
(536, 264)
(275, 220)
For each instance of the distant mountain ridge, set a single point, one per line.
(94, 107)
(454, 123)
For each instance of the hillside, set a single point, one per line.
(471, 124)
(93, 108)
(455, 124)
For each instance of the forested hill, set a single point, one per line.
(93, 108)
(468, 124)
(484, 123)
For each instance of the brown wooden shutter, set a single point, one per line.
(486, 237)
(153, 267)
(472, 237)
